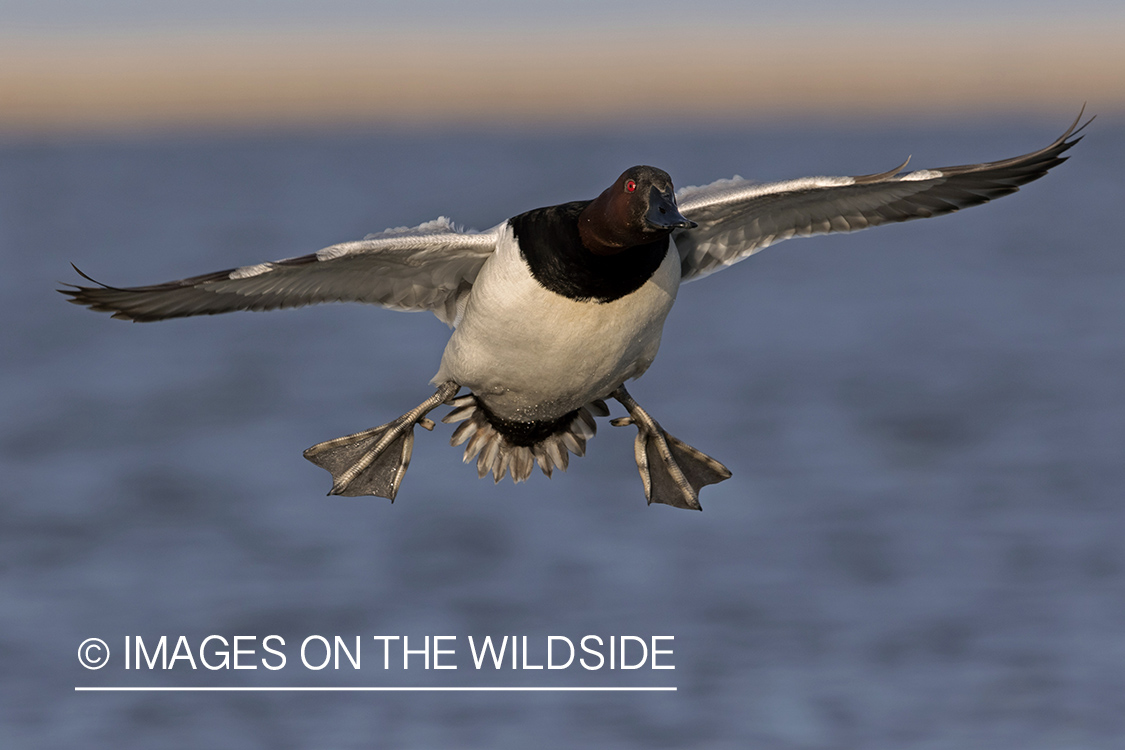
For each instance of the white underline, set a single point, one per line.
(294, 689)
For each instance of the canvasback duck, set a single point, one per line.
(555, 309)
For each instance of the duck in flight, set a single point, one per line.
(555, 309)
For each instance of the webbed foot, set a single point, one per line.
(373, 462)
(672, 471)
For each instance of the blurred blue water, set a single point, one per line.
(921, 546)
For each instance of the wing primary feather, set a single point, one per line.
(881, 176)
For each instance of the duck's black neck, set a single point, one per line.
(548, 240)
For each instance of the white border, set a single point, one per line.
(295, 689)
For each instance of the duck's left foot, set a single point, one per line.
(373, 462)
(672, 471)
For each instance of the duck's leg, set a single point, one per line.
(374, 461)
(672, 471)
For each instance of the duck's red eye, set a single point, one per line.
(630, 186)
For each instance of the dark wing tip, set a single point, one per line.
(86, 276)
(1074, 129)
(1047, 158)
(1020, 170)
(145, 304)
(95, 298)
(81, 295)
(1071, 137)
(89, 297)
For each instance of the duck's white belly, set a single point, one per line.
(532, 354)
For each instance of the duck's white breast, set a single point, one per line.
(530, 353)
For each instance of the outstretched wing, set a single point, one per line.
(428, 267)
(737, 218)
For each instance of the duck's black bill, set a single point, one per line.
(663, 214)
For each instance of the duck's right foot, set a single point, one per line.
(373, 462)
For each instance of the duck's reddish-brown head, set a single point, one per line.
(638, 208)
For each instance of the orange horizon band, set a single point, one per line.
(226, 80)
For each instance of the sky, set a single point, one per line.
(70, 65)
(83, 16)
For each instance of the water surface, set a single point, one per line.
(921, 546)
